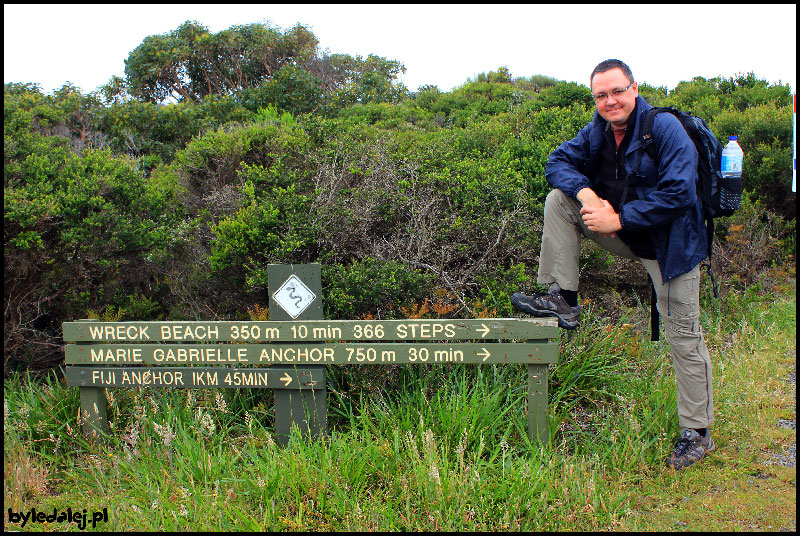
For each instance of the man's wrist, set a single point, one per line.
(587, 196)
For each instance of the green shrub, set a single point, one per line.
(372, 288)
(272, 230)
(708, 97)
(77, 227)
(213, 166)
(750, 242)
(564, 95)
(495, 290)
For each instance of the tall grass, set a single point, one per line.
(441, 449)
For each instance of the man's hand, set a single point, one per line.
(603, 220)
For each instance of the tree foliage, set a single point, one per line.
(190, 64)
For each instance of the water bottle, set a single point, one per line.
(728, 195)
(732, 159)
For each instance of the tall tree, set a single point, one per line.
(190, 63)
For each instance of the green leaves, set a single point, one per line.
(372, 287)
(263, 64)
(272, 229)
(78, 221)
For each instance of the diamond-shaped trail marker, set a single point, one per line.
(294, 296)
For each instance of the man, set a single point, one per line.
(655, 217)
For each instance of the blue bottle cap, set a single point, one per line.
(734, 138)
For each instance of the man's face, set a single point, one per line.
(614, 108)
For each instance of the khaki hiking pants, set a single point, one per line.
(678, 302)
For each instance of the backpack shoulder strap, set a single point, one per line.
(646, 134)
(654, 317)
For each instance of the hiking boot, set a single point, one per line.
(691, 448)
(550, 304)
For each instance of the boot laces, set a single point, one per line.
(682, 446)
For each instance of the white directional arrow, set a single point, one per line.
(485, 331)
(485, 354)
(286, 378)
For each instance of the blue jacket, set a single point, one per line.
(667, 204)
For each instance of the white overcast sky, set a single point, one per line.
(442, 45)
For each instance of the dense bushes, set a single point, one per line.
(127, 208)
(80, 233)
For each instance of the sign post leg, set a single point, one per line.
(94, 411)
(537, 404)
(94, 407)
(307, 409)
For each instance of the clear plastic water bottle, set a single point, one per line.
(732, 159)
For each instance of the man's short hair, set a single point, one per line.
(607, 65)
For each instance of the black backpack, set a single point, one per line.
(720, 197)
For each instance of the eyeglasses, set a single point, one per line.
(616, 93)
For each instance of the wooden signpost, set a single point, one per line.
(289, 353)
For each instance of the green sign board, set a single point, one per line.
(310, 354)
(312, 330)
(195, 377)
